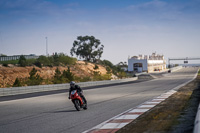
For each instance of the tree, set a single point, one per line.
(17, 83)
(66, 60)
(96, 67)
(88, 48)
(56, 59)
(42, 61)
(57, 77)
(34, 78)
(22, 61)
(68, 74)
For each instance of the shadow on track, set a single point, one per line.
(64, 111)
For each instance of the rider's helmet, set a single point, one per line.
(72, 83)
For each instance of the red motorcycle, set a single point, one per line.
(78, 101)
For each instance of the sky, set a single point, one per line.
(125, 27)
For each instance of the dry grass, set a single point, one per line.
(162, 117)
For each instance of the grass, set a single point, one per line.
(9, 62)
(163, 117)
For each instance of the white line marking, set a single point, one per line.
(138, 110)
(158, 99)
(148, 106)
(152, 103)
(127, 117)
(113, 125)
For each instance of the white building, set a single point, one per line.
(144, 63)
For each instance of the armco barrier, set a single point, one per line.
(197, 122)
(42, 88)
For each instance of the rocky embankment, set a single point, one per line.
(9, 74)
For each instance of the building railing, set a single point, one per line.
(42, 88)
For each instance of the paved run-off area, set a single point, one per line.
(56, 114)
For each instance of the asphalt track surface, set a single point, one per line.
(55, 113)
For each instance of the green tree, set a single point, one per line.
(34, 78)
(32, 73)
(22, 61)
(56, 59)
(109, 71)
(88, 48)
(66, 60)
(107, 63)
(17, 83)
(68, 75)
(96, 67)
(57, 77)
(43, 61)
(57, 73)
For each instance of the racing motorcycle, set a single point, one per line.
(78, 101)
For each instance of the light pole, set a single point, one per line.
(47, 46)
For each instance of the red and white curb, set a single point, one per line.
(114, 124)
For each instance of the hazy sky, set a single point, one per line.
(124, 27)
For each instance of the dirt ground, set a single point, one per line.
(175, 114)
(9, 74)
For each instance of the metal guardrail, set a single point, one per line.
(197, 118)
(197, 122)
(42, 88)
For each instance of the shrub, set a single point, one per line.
(5, 65)
(22, 61)
(68, 74)
(34, 78)
(66, 60)
(17, 83)
(43, 61)
(30, 62)
(96, 67)
(38, 64)
(57, 77)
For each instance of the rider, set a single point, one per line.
(73, 86)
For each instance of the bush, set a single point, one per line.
(65, 77)
(5, 65)
(96, 67)
(57, 77)
(34, 78)
(68, 75)
(38, 64)
(30, 62)
(22, 61)
(17, 83)
(66, 60)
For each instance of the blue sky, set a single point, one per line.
(124, 27)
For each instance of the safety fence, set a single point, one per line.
(42, 88)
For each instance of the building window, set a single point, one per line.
(138, 65)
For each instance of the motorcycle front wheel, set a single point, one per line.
(77, 105)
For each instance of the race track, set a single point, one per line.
(56, 114)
